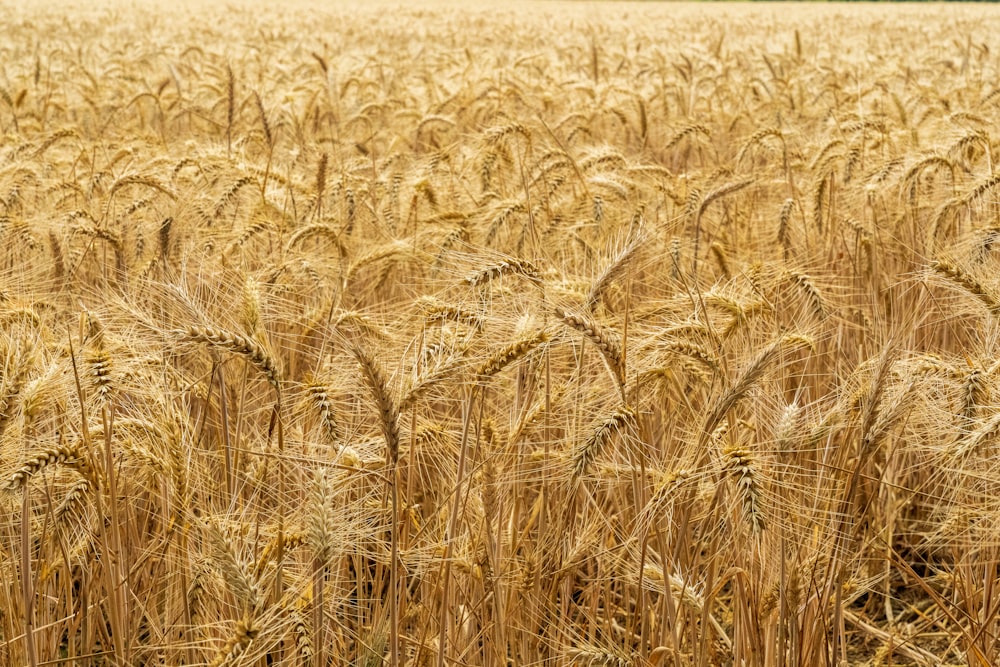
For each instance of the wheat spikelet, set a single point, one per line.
(164, 237)
(251, 314)
(351, 205)
(614, 270)
(976, 439)
(195, 595)
(230, 106)
(978, 192)
(663, 495)
(145, 181)
(785, 429)
(495, 135)
(740, 312)
(290, 540)
(537, 411)
(964, 149)
(302, 634)
(819, 194)
(501, 217)
(58, 261)
(321, 531)
(436, 311)
(973, 394)
(912, 175)
(685, 593)
(433, 376)
(14, 384)
(931, 364)
(15, 316)
(889, 413)
(598, 211)
(607, 159)
(319, 229)
(244, 236)
(755, 139)
(360, 322)
(719, 193)
(265, 124)
(177, 468)
(784, 217)
(984, 245)
(112, 239)
(390, 250)
(684, 132)
(321, 173)
(52, 139)
(19, 232)
(99, 362)
(706, 201)
(719, 253)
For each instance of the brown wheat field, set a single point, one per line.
(594, 335)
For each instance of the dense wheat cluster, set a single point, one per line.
(599, 335)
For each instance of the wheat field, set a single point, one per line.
(594, 334)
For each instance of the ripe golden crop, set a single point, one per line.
(566, 334)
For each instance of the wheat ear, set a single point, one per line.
(740, 465)
(587, 452)
(61, 455)
(511, 267)
(251, 350)
(511, 353)
(605, 341)
(757, 368)
(960, 277)
(387, 408)
(246, 631)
